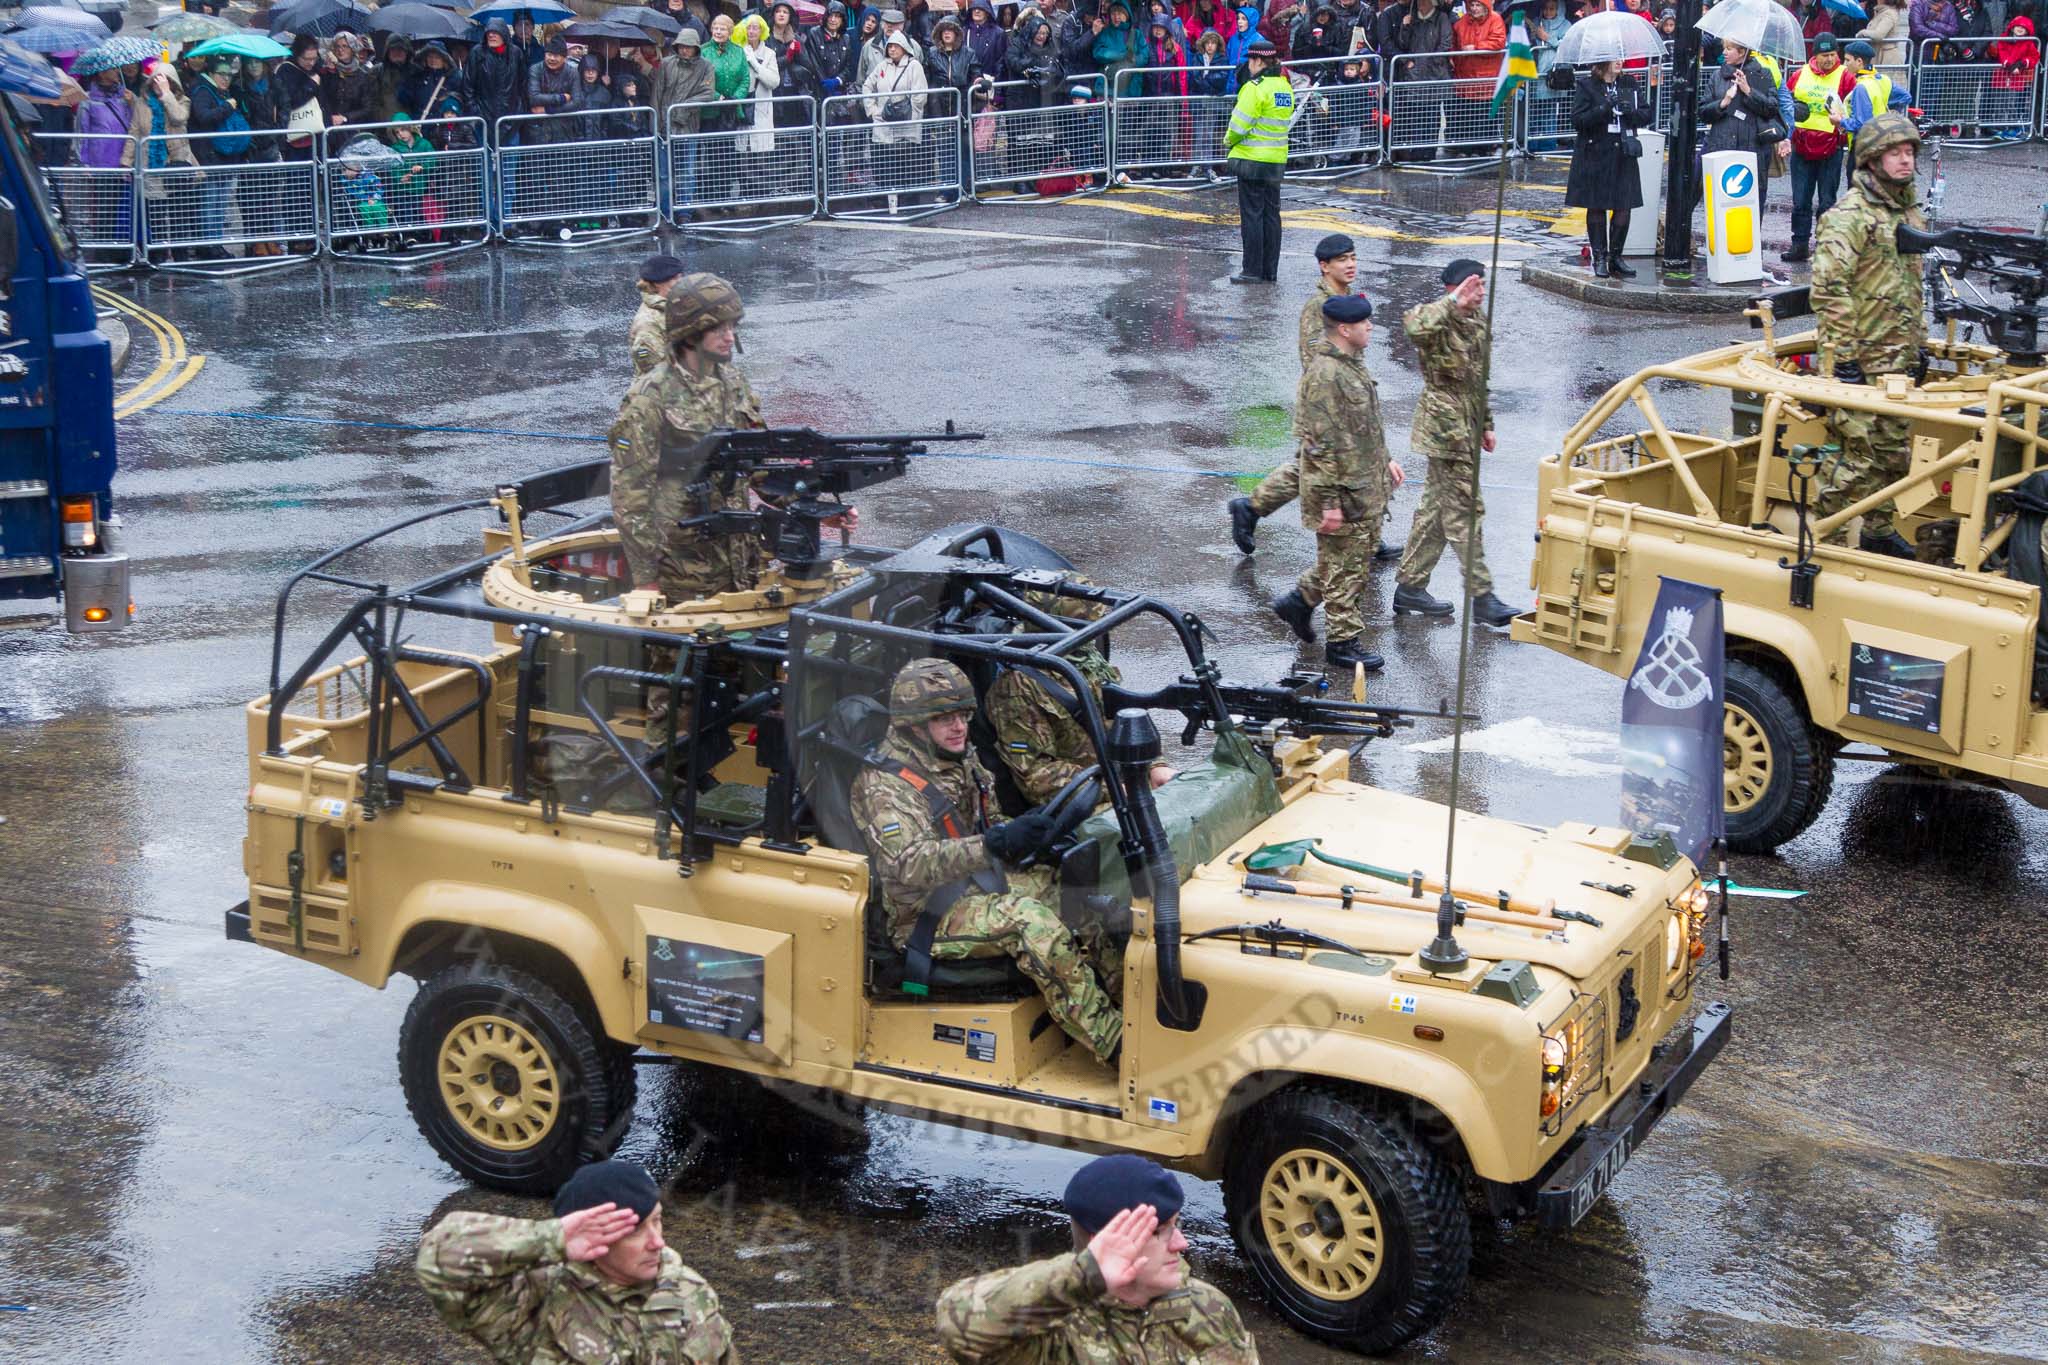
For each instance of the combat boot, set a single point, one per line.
(1797, 252)
(1244, 525)
(1353, 653)
(1384, 553)
(1890, 543)
(1298, 614)
(1491, 611)
(1420, 602)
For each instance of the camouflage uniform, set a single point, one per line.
(505, 1282)
(1283, 485)
(1043, 744)
(1449, 421)
(1867, 298)
(1343, 465)
(669, 406)
(647, 338)
(1058, 1312)
(915, 857)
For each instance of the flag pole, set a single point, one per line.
(1445, 954)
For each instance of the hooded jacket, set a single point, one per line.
(496, 79)
(1034, 60)
(1234, 46)
(681, 86)
(1487, 34)
(389, 79)
(986, 40)
(2018, 56)
(832, 55)
(957, 68)
(446, 88)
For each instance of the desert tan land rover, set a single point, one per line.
(491, 799)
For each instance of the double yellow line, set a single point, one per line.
(174, 366)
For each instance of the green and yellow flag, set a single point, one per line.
(1518, 68)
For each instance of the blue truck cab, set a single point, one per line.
(57, 455)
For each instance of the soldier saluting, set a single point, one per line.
(1336, 271)
(1867, 298)
(1346, 479)
(1122, 1294)
(1453, 425)
(595, 1282)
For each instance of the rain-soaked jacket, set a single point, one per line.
(957, 68)
(1034, 61)
(497, 79)
(1235, 45)
(832, 55)
(987, 41)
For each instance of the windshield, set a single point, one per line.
(41, 200)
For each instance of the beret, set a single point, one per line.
(1108, 1185)
(1343, 308)
(1262, 48)
(655, 269)
(1461, 270)
(625, 1183)
(1335, 245)
(1857, 47)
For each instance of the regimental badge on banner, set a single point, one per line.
(1671, 722)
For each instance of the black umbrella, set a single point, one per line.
(419, 22)
(608, 28)
(649, 18)
(321, 18)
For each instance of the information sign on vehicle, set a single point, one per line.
(1896, 688)
(705, 987)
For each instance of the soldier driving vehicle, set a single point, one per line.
(1281, 1032)
(1920, 646)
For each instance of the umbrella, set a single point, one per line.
(1759, 25)
(365, 151)
(241, 45)
(115, 52)
(1610, 36)
(540, 11)
(185, 26)
(321, 18)
(419, 22)
(653, 20)
(607, 28)
(54, 4)
(457, 5)
(50, 39)
(22, 72)
(81, 28)
(1845, 7)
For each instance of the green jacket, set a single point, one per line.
(1866, 296)
(1057, 1312)
(1343, 447)
(505, 1282)
(729, 74)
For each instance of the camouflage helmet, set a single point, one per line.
(926, 689)
(1883, 133)
(698, 302)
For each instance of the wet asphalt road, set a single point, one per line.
(204, 1155)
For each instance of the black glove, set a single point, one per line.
(1849, 372)
(1014, 840)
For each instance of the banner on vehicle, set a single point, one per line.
(1671, 746)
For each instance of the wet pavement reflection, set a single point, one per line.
(204, 1154)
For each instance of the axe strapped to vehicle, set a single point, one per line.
(1275, 857)
(1351, 896)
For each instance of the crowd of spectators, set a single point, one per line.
(877, 78)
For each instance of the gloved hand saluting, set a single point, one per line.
(1015, 840)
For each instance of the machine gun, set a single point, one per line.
(1294, 706)
(802, 476)
(2014, 262)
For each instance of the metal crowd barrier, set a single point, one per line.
(1159, 134)
(1014, 148)
(1449, 119)
(387, 207)
(258, 199)
(1977, 96)
(95, 191)
(742, 179)
(881, 167)
(1336, 131)
(577, 180)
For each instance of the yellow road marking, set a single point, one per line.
(1327, 219)
(174, 367)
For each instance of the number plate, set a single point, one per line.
(1586, 1193)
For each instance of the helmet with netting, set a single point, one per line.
(698, 302)
(926, 689)
(1881, 134)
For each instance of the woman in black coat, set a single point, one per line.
(1607, 106)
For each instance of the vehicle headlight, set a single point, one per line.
(1559, 1051)
(1689, 912)
(1573, 1056)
